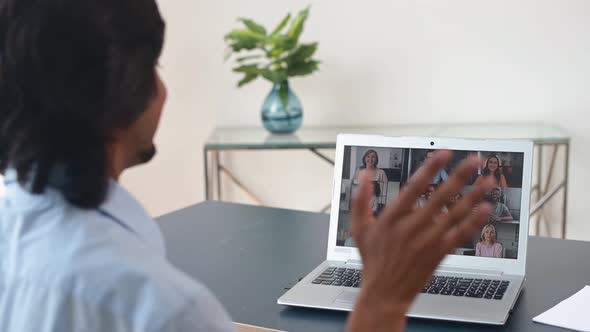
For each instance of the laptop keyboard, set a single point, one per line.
(438, 285)
(339, 277)
(468, 287)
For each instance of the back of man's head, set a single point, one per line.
(71, 73)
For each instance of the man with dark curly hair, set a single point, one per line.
(80, 102)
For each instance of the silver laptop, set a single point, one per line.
(480, 282)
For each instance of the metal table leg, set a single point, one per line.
(538, 189)
(322, 156)
(217, 173)
(565, 188)
(206, 168)
(239, 183)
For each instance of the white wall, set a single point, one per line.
(383, 62)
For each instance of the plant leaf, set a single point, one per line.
(281, 44)
(279, 40)
(244, 39)
(276, 53)
(301, 53)
(302, 68)
(281, 26)
(242, 45)
(297, 24)
(244, 34)
(249, 57)
(248, 69)
(253, 26)
(249, 77)
(284, 96)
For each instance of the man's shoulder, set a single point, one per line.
(119, 265)
(107, 285)
(146, 286)
(75, 258)
(81, 253)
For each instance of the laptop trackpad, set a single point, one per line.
(347, 297)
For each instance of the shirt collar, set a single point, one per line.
(120, 207)
(120, 204)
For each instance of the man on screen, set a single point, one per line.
(499, 212)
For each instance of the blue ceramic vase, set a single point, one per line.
(277, 118)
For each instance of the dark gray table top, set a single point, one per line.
(249, 255)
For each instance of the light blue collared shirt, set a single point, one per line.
(68, 269)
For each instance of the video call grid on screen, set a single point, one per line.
(390, 169)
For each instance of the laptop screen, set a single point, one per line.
(390, 169)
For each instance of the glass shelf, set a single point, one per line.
(325, 137)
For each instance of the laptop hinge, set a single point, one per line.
(453, 269)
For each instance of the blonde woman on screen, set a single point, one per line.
(487, 245)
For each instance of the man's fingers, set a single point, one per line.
(460, 211)
(417, 184)
(362, 213)
(464, 230)
(453, 185)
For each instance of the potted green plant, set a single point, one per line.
(276, 56)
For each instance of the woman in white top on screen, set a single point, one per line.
(487, 245)
(370, 162)
(369, 165)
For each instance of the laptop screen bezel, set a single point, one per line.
(511, 266)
